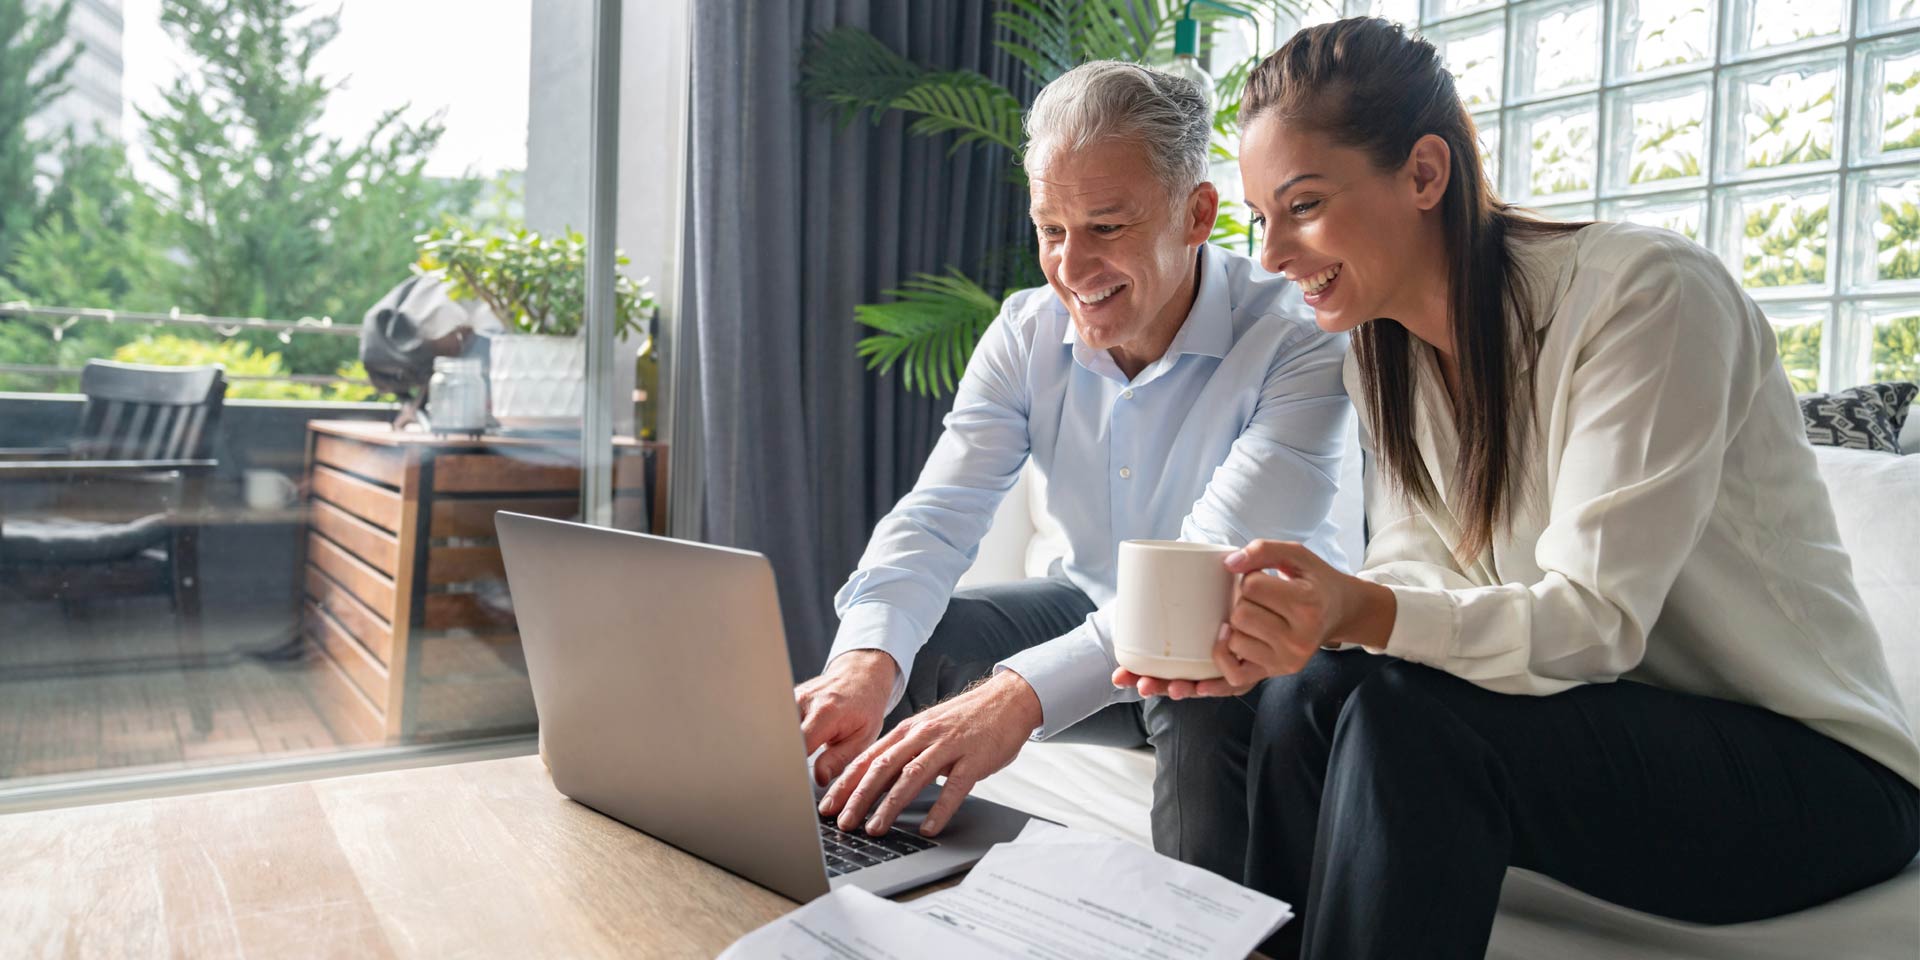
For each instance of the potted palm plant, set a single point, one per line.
(536, 286)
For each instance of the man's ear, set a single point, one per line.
(1203, 208)
(1430, 169)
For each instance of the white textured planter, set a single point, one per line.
(536, 376)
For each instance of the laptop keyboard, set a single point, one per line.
(847, 852)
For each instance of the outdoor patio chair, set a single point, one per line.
(114, 512)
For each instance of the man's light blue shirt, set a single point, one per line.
(1235, 434)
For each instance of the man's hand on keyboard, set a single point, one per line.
(965, 738)
(843, 707)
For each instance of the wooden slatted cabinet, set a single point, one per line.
(403, 592)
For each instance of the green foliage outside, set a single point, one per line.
(1815, 143)
(1892, 120)
(537, 284)
(931, 322)
(1785, 247)
(1654, 148)
(1896, 350)
(1561, 163)
(1899, 254)
(243, 360)
(1800, 355)
(253, 215)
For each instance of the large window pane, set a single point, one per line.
(1891, 330)
(1556, 46)
(301, 584)
(1553, 151)
(1656, 36)
(1403, 12)
(1887, 100)
(1775, 236)
(1885, 245)
(1474, 51)
(1658, 136)
(1779, 116)
(1443, 9)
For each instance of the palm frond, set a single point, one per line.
(852, 69)
(967, 103)
(1039, 35)
(928, 329)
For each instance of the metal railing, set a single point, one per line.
(63, 319)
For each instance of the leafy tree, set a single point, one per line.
(1896, 350)
(1899, 257)
(33, 73)
(1659, 157)
(275, 219)
(1785, 252)
(97, 242)
(934, 320)
(1896, 91)
(241, 360)
(1800, 355)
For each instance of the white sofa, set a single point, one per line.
(1877, 499)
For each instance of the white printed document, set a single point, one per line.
(1065, 894)
(852, 924)
(1052, 894)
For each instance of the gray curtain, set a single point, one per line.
(793, 220)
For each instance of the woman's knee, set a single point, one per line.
(1305, 707)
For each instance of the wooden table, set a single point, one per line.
(403, 589)
(479, 859)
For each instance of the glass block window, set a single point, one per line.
(1783, 135)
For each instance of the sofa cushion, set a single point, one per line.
(1860, 418)
(1876, 500)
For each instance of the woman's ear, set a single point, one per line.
(1430, 167)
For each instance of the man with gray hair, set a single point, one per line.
(1164, 388)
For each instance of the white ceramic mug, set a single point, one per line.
(1173, 596)
(267, 489)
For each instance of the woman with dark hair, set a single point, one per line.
(1605, 629)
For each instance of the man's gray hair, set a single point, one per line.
(1114, 100)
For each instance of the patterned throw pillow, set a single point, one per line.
(1863, 418)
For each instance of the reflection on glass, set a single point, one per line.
(1488, 129)
(1473, 53)
(1882, 14)
(1669, 138)
(1895, 350)
(1896, 230)
(1777, 23)
(1784, 238)
(1560, 153)
(1565, 49)
(1787, 117)
(1900, 104)
(1658, 36)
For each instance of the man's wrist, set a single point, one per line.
(1016, 699)
(868, 661)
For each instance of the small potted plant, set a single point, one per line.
(537, 286)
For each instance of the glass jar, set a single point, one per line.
(457, 396)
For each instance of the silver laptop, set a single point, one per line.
(661, 680)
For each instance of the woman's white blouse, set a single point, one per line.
(1674, 530)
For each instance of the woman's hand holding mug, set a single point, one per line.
(1289, 604)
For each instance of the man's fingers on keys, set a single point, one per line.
(830, 763)
(847, 779)
(955, 790)
(915, 774)
(880, 771)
